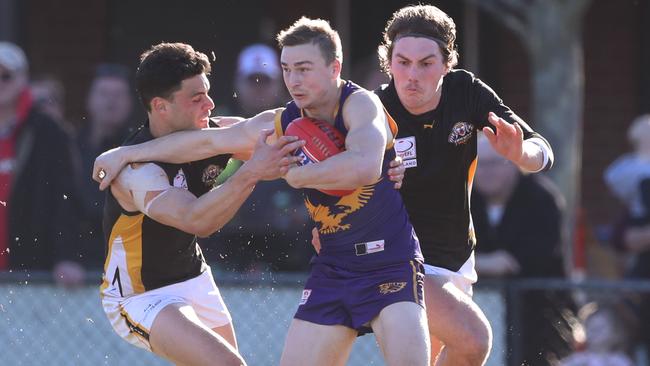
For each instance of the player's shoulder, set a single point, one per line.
(362, 96)
(460, 76)
(139, 174)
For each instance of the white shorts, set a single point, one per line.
(463, 279)
(132, 316)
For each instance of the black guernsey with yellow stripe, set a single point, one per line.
(142, 254)
(439, 150)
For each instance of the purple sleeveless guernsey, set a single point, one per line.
(367, 229)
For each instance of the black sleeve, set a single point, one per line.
(487, 101)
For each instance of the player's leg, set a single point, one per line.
(436, 348)
(228, 333)
(178, 335)
(458, 322)
(402, 334)
(317, 345)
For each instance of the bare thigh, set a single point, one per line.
(179, 336)
(228, 333)
(401, 331)
(454, 318)
(317, 345)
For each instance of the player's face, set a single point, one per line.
(417, 67)
(191, 106)
(307, 77)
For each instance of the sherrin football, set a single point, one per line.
(322, 141)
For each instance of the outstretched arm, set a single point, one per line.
(508, 140)
(184, 146)
(361, 162)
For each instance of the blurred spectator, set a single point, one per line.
(269, 232)
(368, 72)
(606, 337)
(109, 105)
(48, 93)
(629, 179)
(517, 220)
(258, 81)
(38, 225)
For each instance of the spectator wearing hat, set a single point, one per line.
(109, 106)
(38, 225)
(257, 238)
(258, 81)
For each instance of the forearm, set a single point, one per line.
(536, 155)
(346, 170)
(532, 157)
(216, 208)
(178, 147)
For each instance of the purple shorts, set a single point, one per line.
(335, 296)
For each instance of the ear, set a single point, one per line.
(447, 69)
(158, 105)
(336, 68)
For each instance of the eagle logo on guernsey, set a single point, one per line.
(210, 174)
(460, 133)
(330, 217)
(391, 287)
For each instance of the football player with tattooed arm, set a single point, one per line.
(439, 111)
(368, 275)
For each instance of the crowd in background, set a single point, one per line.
(51, 213)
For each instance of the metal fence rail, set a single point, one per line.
(42, 324)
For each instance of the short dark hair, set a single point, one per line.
(420, 20)
(163, 68)
(314, 31)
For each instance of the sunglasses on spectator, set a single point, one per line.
(5, 77)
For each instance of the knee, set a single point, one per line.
(478, 343)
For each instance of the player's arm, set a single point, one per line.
(530, 153)
(184, 146)
(508, 134)
(145, 188)
(361, 162)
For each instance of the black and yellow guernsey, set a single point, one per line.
(142, 254)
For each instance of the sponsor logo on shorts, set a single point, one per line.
(305, 296)
(460, 133)
(152, 306)
(391, 287)
(210, 174)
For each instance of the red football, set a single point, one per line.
(322, 140)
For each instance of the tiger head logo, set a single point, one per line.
(460, 133)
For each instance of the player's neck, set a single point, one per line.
(158, 127)
(327, 110)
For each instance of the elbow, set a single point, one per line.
(200, 228)
(368, 174)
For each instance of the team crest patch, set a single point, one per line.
(460, 133)
(305, 296)
(179, 180)
(391, 287)
(210, 174)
